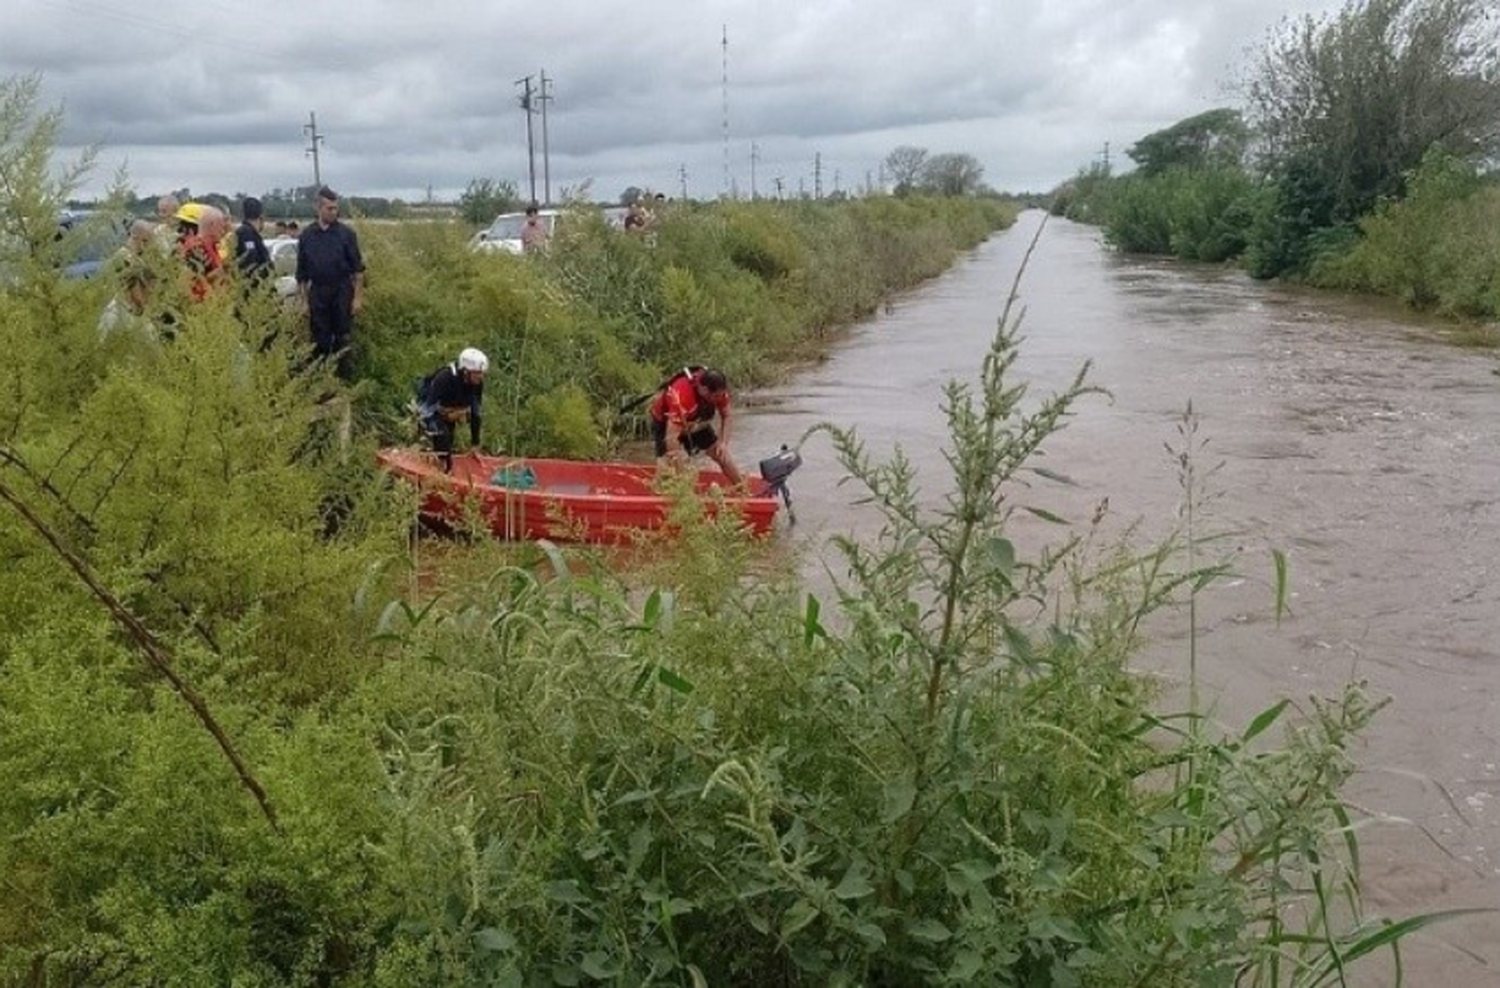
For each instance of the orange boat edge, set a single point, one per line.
(526, 498)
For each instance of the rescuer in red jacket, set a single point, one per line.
(682, 419)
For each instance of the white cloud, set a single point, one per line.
(214, 95)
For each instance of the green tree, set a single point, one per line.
(1213, 139)
(952, 175)
(32, 184)
(1355, 100)
(905, 165)
(485, 198)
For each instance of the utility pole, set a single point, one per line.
(754, 158)
(313, 140)
(526, 107)
(725, 44)
(545, 98)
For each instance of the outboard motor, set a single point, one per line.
(775, 470)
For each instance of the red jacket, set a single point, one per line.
(203, 260)
(679, 402)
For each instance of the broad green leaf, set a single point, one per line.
(494, 940)
(797, 918)
(1000, 556)
(900, 796)
(854, 884)
(930, 930)
(965, 967)
(599, 965)
(565, 891)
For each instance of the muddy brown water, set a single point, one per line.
(1348, 435)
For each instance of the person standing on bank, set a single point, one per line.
(448, 396)
(330, 281)
(533, 233)
(250, 253)
(682, 419)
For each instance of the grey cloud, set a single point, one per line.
(213, 94)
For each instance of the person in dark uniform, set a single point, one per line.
(448, 396)
(330, 280)
(250, 253)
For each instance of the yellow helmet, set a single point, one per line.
(190, 212)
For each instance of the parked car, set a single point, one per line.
(283, 251)
(504, 234)
(92, 247)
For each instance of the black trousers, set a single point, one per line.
(330, 316)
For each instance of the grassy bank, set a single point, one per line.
(237, 747)
(745, 287)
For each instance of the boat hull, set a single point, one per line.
(520, 499)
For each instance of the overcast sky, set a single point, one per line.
(413, 96)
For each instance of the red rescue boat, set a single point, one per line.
(573, 500)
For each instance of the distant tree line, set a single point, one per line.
(912, 171)
(298, 203)
(1364, 133)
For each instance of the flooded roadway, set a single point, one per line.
(1350, 439)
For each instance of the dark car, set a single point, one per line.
(92, 244)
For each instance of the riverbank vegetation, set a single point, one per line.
(746, 287)
(245, 740)
(1358, 161)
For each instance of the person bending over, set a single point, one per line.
(682, 419)
(450, 395)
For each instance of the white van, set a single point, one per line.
(504, 234)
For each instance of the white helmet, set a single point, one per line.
(473, 360)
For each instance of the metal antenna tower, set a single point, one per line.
(754, 159)
(527, 108)
(725, 47)
(313, 140)
(682, 177)
(544, 99)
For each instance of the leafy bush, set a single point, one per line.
(1194, 214)
(1438, 248)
